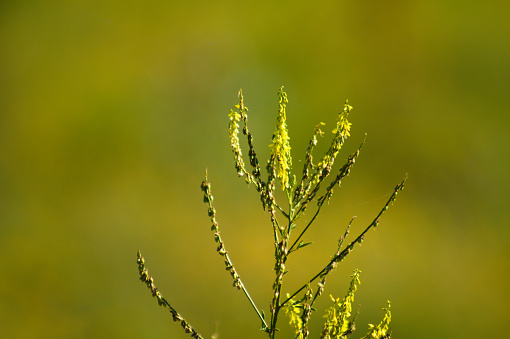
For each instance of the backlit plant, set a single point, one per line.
(310, 191)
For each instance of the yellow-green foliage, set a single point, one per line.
(310, 192)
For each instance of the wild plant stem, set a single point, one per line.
(274, 319)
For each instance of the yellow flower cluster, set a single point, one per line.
(380, 331)
(233, 134)
(293, 311)
(337, 316)
(343, 126)
(342, 132)
(280, 147)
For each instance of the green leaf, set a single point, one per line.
(302, 245)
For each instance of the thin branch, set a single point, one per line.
(341, 256)
(321, 283)
(291, 249)
(146, 278)
(343, 172)
(208, 198)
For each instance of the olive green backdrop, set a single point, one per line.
(110, 112)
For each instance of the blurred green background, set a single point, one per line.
(111, 111)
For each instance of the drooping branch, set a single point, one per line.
(208, 198)
(146, 278)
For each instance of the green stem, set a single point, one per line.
(264, 324)
(282, 211)
(275, 319)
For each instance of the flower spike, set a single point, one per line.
(280, 147)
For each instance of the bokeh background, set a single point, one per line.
(111, 111)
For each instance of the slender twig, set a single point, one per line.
(291, 249)
(285, 214)
(208, 198)
(300, 190)
(341, 256)
(321, 283)
(254, 162)
(344, 171)
(146, 278)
